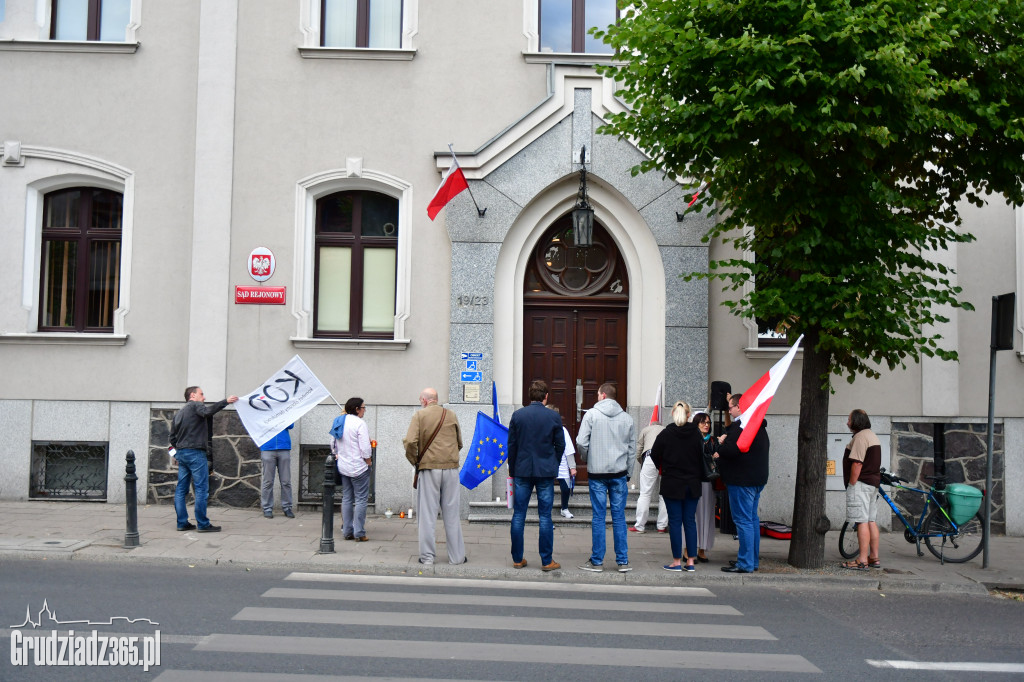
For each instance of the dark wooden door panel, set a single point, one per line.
(565, 345)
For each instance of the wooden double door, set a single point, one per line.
(575, 348)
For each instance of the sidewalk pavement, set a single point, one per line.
(96, 532)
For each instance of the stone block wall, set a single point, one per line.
(966, 456)
(237, 467)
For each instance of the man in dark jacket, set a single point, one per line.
(745, 475)
(191, 431)
(535, 446)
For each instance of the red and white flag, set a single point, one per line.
(453, 183)
(656, 415)
(755, 400)
(703, 186)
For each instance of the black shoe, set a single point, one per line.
(289, 514)
(732, 562)
(187, 526)
(350, 537)
(702, 559)
(210, 529)
(734, 569)
(268, 514)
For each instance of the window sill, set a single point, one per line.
(64, 338)
(356, 53)
(351, 344)
(576, 58)
(95, 46)
(770, 352)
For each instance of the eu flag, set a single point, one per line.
(487, 452)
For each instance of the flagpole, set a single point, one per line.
(480, 211)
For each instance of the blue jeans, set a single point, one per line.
(523, 489)
(682, 514)
(615, 490)
(355, 491)
(192, 469)
(563, 486)
(743, 505)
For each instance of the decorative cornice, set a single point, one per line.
(64, 339)
(351, 344)
(356, 53)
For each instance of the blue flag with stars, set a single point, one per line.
(487, 452)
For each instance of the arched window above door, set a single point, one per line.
(559, 268)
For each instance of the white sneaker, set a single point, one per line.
(566, 513)
(590, 566)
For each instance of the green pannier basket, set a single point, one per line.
(964, 501)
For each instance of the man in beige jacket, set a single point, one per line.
(432, 445)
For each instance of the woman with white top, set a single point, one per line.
(566, 468)
(350, 443)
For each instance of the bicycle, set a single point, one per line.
(946, 539)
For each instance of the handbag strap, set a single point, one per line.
(430, 441)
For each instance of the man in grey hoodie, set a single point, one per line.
(606, 442)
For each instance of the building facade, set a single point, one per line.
(150, 148)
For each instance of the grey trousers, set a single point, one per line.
(439, 488)
(281, 461)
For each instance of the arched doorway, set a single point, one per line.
(575, 308)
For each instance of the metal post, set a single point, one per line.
(327, 532)
(991, 419)
(131, 503)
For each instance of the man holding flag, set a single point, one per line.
(744, 459)
(745, 475)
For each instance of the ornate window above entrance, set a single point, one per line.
(559, 268)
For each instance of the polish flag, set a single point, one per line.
(703, 186)
(656, 415)
(756, 399)
(453, 183)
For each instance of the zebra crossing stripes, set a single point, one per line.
(506, 653)
(504, 622)
(449, 599)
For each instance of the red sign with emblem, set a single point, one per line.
(260, 295)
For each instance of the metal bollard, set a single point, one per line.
(327, 532)
(131, 502)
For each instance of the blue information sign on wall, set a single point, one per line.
(472, 376)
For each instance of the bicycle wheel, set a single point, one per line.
(954, 546)
(848, 545)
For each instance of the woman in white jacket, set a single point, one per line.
(566, 468)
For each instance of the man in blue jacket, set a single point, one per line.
(276, 454)
(535, 446)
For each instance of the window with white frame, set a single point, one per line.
(90, 20)
(355, 265)
(80, 264)
(361, 23)
(564, 25)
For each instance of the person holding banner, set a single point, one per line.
(191, 433)
(432, 445)
(745, 475)
(350, 443)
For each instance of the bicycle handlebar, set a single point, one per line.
(890, 479)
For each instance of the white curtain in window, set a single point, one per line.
(339, 23)
(386, 24)
(378, 290)
(72, 20)
(334, 288)
(114, 19)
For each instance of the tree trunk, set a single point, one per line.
(807, 548)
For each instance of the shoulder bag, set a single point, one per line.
(430, 441)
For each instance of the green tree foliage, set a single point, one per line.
(848, 135)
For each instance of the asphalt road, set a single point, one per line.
(233, 624)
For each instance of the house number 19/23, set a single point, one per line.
(465, 301)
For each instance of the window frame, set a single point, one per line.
(578, 24)
(532, 30)
(311, 23)
(84, 236)
(362, 24)
(308, 190)
(358, 243)
(93, 23)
